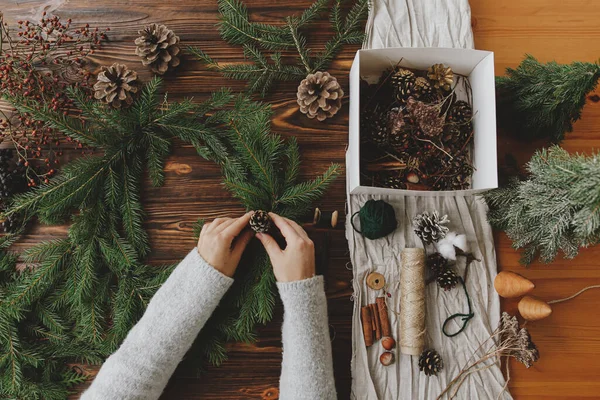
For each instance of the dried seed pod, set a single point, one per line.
(509, 284)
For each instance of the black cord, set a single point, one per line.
(464, 317)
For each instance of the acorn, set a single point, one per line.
(388, 342)
(387, 358)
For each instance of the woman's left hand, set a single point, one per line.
(222, 242)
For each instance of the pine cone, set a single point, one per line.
(428, 117)
(260, 221)
(436, 264)
(441, 76)
(320, 95)
(394, 181)
(430, 362)
(158, 46)
(455, 138)
(457, 173)
(430, 227)
(374, 128)
(447, 279)
(423, 90)
(402, 81)
(115, 85)
(461, 115)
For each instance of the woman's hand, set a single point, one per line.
(222, 242)
(297, 261)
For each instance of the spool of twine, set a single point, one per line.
(412, 302)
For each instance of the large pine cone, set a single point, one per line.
(441, 76)
(115, 85)
(320, 95)
(158, 46)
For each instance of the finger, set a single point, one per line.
(204, 228)
(238, 225)
(224, 225)
(241, 242)
(216, 222)
(271, 246)
(299, 230)
(286, 229)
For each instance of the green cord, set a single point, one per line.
(464, 317)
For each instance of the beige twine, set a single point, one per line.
(412, 302)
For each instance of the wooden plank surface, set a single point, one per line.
(564, 30)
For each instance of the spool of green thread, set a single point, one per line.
(377, 219)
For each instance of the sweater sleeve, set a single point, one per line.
(307, 367)
(142, 366)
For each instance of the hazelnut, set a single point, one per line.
(386, 358)
(388, 342)
(412, 177)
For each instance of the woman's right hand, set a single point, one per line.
(297, 261)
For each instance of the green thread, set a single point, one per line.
(377, 219)
(464, 317)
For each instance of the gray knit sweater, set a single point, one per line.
(142, 366)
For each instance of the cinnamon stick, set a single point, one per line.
(367, 325)
(375, 315)
(386, 329)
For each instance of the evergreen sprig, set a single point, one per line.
(80, 295)
(263, 176)
(557, 209)
(263, 70)
(538, 100)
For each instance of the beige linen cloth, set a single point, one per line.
(424, 23)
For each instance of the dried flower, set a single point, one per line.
(427, 117)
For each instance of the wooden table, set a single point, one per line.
(564, 30)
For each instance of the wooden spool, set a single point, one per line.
(509, 284)
(375, 281)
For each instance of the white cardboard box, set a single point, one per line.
(477, 65)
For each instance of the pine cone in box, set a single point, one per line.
(159, 48)
(393, 181)
(457, 174)
(260, 221)
(402, 81)
(461, 115)
(400, 132)
(455, 138)
(320, 95)
(115, 85)
(374, 127)
(441, 76)
(423, 90)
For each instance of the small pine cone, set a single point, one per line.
(403, 81)
(158, 46)
(461, 114)
(455, 138)
(423, 90)
(436, 264)
(447, 279)
(115, 85)
(430, 362)
(441, 76)
(430, 227)
(320, 95)
(260, 221)
(393, 181)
